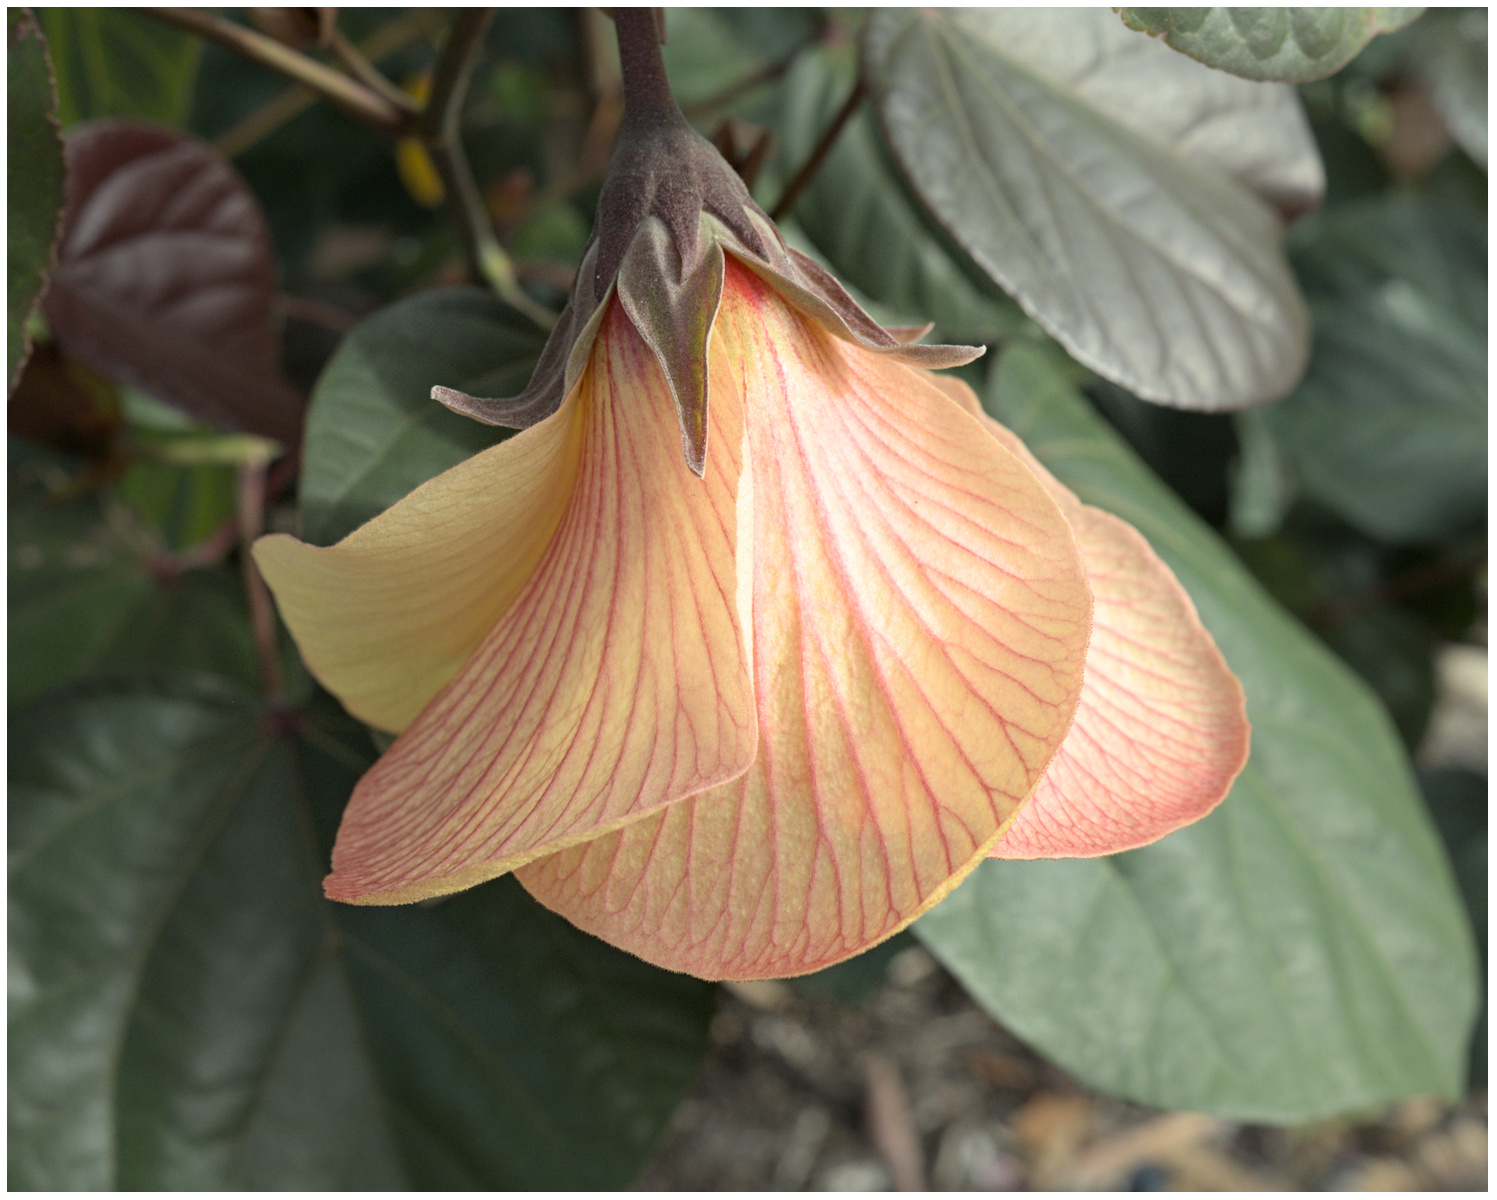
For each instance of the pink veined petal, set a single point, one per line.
(1162, 729)
(615, 683)
(920, 618)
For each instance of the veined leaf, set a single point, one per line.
(1299, 952)
(196, 329)
(1126, 237)
(187, 1012)
(374, 433)
(114, 63)
(856, 213)
(1290, 45)
(1389, 426)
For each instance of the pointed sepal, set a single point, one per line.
(673, 302)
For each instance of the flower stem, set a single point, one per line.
(818, 156)
(440, 129)
(648, 99)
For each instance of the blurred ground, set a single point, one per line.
(914, 1088)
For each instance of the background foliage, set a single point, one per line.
(1102, 208)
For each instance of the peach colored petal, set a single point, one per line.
(1162, 729)
(920, 618)
(616, 682)
(372, 621)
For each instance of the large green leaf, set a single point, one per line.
(187, 1011)
(1070, 165)
(1389, 427)
(34, 186)
(115, 63)
(1291, 45)
(373, 431)
(856, 212)
(1299, 952)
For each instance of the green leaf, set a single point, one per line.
(373, 431)
(114, 63)
(83, 598)
(1299, 952)
(188, 1012)
(1451, 57)
(856, 213)
(1389, 427)
(1290, 45)
(185, 503)
(34, 188)
(710, 50)
(1043, 145)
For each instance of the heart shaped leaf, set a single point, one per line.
(165, 277)
(1137, 245)
(856, 212)
(86, 593)
(115, 63)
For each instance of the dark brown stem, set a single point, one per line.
(251, 504)
(440, 127)
(449, 79)
(355, 98)
(818, 156)
(647, 92)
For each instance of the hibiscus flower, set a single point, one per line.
(759, 636)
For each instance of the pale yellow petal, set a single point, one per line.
(387, 616)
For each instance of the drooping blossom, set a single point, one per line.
(759, 636)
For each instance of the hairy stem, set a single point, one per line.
(647, 92)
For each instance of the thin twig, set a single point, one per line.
(823, 148)
(295, 100)
(352, 60)
(439, 126)
(768, 73)
(315, 312)
(355, 98)
(251, 504)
